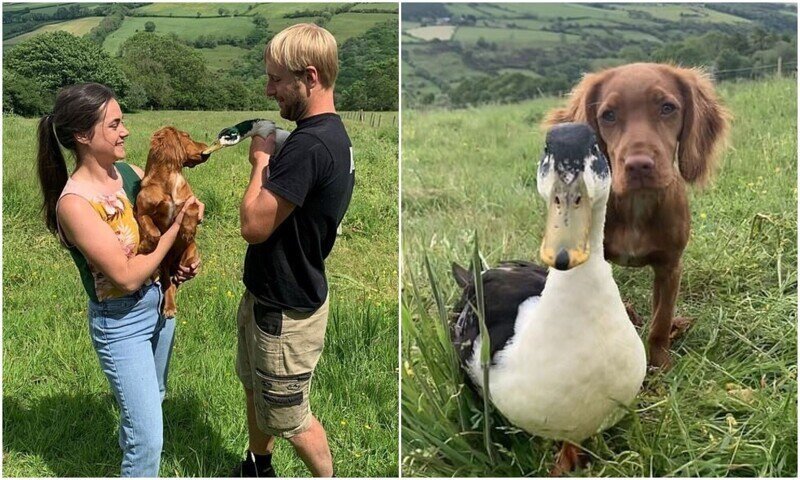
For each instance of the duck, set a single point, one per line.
(565, 360)
(258, 126)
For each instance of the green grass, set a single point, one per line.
(205, 9)
(511, 36)
(59, 417)
(77, 27)
(186, 28)
(728, 406)
(389, 7)
(347, 25)
(222, 57)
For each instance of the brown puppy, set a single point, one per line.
(163, 193)
(661, 127)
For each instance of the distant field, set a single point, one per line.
(79, 26)
(442, 32)
(389, 7)
(275, 10)
(205, 9)
(566, 11)
(347, 25)
(629, 34)
(672, 12)
(48, 8)
(510, 35)
(188, 28)
(221, 57)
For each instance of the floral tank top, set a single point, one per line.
(116, 210)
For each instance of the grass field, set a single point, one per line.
(186, 28)
(78, 27)
(512, 36)
(442, 32)
(222, 57)
(59, 416)
(728, 406)
(347, 25)
(205, 9)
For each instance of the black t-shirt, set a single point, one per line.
(314, 171)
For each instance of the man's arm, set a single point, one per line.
(262, 211)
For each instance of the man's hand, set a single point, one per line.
(261, 148)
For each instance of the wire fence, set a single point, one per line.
(779, 69)
(375, 119)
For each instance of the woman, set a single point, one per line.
(92, 213)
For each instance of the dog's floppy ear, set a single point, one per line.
(166, 148)
(705, 126)
(582, 105)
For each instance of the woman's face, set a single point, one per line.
(108, 141)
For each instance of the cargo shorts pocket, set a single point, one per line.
(282, 402)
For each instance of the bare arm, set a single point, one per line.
(262, 211)
(97, 242)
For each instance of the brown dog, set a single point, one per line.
(163, 193)
(661, 127)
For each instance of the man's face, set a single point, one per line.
(288, 90)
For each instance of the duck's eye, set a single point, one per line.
(668, 108)
(609, 116)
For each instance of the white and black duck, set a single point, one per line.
(565, 359)
(233, 135)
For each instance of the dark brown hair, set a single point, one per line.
(77, 110)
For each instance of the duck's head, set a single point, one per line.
(574, 179)
(235, 134)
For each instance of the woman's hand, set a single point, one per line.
(186, 273)
(176, 224)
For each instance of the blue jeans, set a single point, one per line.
(133, 342)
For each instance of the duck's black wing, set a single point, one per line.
(505, 287)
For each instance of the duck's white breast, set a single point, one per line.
(570, 368)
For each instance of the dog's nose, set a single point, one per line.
(205, 156)
(639, 165)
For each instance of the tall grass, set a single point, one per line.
(727, 407)
(59, 417)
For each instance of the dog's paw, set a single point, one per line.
(679, 326)
(660, 359)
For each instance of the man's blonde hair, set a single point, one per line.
(304, 45)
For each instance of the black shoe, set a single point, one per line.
(254, 466)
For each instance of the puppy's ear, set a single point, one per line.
(166, 148)
(582, 105)
(705, 126)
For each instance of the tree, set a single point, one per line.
(149, 27)
(171, 74)
(24, 96)
(57, 59)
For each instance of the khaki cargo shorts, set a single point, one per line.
(276, 356)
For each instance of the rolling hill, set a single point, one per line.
(446, 45)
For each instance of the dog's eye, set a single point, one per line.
(577, 200)
(668, 108)
(609, 116)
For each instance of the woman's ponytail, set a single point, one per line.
(52, 169)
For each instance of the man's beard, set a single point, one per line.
(294, 110)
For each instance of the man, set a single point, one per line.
(289, 216)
